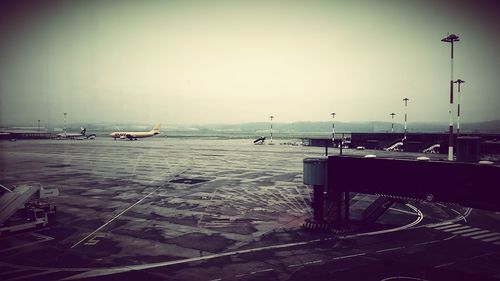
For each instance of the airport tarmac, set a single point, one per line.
(213, 209)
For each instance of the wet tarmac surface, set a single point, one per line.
(208, 209)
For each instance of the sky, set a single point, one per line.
(203, 62)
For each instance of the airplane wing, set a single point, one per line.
(130, 136)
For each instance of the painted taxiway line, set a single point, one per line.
(95, 272)
(43, 238)
(127, 209)
(390, 249)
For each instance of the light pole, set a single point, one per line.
(451, 39)
(333, 129)
(271, 128)
(39, 125)
(406, 115)
(392, 124)
(459, 81)
(65, 123)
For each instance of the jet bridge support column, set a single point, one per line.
(339, 199)
(318, 203)
(314, 174)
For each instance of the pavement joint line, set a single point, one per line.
(474, 233)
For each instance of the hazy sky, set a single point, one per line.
(198, 62)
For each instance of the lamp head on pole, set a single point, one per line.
(333, 114)
(459, 81)
(406, 100)
(392, 114)
(451, 38)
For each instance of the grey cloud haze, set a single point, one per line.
(204, 62)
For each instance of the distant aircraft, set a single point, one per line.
(136, 135)
(259, 140)
(82, 134)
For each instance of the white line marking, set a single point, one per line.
(474, 233)
(12, 271)
(449, 238)
(497, 243)
(263, 270)
(31, 275)
(491, 239)
(447, 226)
(465, 231)
(403, 278)
(94, 272)
(428, 242)
(46, 238)
(349, 256)
(444, 264)
(401, 211)
(126, 210)
(388, 250)
(455, 228)
(485, 235)
(460, 215)
(439, 224)
(311, 262)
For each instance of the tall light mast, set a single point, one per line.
(65, 123)
(392, 122)
(406, 114)
(459, 81)
(271, 117)
(333, 129)
(452, 38)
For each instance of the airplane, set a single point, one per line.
(76, 135)
(136, 135)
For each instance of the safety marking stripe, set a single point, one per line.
(491, 239)
(447, 226)
(484, 235)
(474, 233)
(455, 228)
(466, 230)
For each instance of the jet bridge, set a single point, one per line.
(468, 184)
(13, 200)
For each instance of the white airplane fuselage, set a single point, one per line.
(135, 135)
(80, 135)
